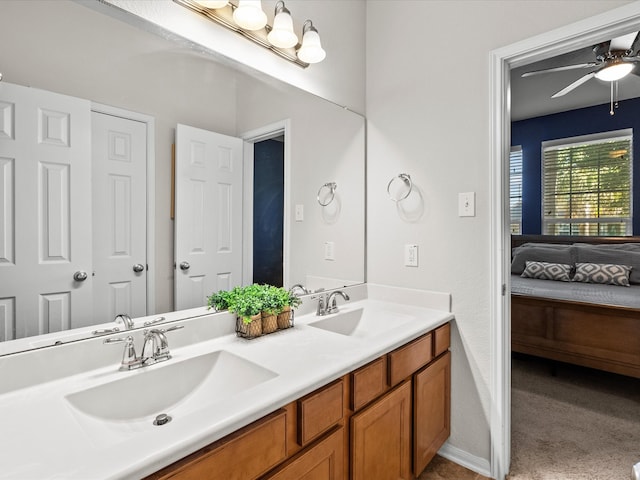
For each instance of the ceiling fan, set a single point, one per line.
(614, 60)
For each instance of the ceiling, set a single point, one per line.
(531, 96)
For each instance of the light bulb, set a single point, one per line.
(282, 35)
(615, 72)
(249, 15)
(311, 50)
(212, 4)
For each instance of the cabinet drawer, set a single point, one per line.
(323, 461)
(368, 383)
(243, 455)
(319, 411)
(441, 339)
(406, 360)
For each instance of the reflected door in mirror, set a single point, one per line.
(45, 219)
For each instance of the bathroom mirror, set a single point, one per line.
(67, 48)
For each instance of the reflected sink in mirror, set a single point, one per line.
(191, 383)
(362, 322)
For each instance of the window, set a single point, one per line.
(587, 185)
(515, 189)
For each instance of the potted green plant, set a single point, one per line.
(270, 308)
(288, 301)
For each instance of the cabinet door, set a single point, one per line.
(323, 461)
(432, 407)
(381, 437)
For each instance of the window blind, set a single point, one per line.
(587, 187)
(515, 189)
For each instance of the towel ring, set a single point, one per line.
(397, 196)
(331, 193)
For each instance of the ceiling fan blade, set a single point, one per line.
(635, 46)
(623, 43)
(560, 69)
(574, 85)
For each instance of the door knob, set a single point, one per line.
(80, 276)
(138, 267)
(184, 266)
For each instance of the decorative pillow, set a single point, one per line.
(547, 271)
(605, 273)
(541, 253)
(614, 254)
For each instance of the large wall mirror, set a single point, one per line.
(65, 49)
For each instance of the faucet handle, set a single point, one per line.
(129, 358)
(153, 322)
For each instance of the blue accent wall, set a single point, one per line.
(268, 212)
(532, 132)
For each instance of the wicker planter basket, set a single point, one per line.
(269, 323)
(285, 318)
(252, 329)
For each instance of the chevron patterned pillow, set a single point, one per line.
(605, 273)
(547, 271)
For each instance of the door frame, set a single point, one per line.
(562, 40)
(151, 192)
(283, 127)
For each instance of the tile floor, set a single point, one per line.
(442, 469)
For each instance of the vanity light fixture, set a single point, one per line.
(282, 34)
(247, 18)
(249, 15)
(311, 51)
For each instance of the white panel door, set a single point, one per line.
(119, 156)
(208, 215)
(45, 212)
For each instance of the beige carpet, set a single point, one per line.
(581, 424)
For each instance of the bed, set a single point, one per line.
(585, 320)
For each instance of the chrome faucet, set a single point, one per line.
(332, 304)
(125, 320)
(155, 348)
(298, 286)
(327, 304)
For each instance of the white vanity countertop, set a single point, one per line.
(43, 436)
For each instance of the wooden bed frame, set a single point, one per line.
(596, 336)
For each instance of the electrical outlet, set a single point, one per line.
(467, 204)
(329, 251)
(299, 213)
(411, 255)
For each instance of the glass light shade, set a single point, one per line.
(282, 34)
(212, 4)
(311, 51)
(614, 72)
(249, 15)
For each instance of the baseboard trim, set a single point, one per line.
(467, 460)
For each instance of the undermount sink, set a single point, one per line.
(362, 322)
(149, 391)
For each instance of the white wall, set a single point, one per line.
(430, 118)
(327, 145)
(338, 78)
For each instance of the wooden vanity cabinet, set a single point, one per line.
(386, 419)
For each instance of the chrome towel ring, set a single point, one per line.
(327, 192)
(400, 187)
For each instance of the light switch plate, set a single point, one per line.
(329, 251)
(299, 213)
(467, 204)
(411, 255)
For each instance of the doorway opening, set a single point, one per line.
(557, 42)
(268, 211)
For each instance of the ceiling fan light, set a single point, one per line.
(249, 15)
(614, 72)
(282, 34)
(311, 50)
(213, 4)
